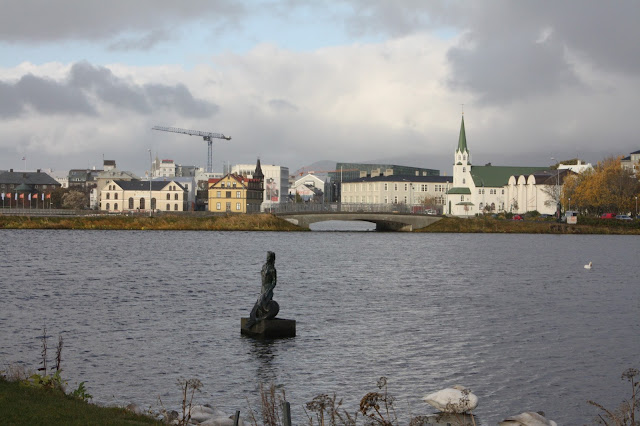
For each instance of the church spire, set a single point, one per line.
(462, 140)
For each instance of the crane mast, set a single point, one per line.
(207, 136)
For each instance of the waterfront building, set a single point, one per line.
(490, 189)
(235, 193)
(276, 182)
(309, 187)
(424, 191)
(138, 196)
(19, 188)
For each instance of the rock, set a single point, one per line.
(456, 399)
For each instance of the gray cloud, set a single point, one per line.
(35, 21)
(282, 105)
(86, 82)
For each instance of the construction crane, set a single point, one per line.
(207, 136)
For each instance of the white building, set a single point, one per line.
(190, 186)
(308, 187)
(479, 189)
(276, 182)
(631, 162)
(427, 191)
(136, 195)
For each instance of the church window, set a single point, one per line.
(464, 169)
(464, 181)
(464, 157)
(462, 198)
(479, 191)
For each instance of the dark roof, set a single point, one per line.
(404, 178)
(28, 178)
(143, 185)
(636, 152)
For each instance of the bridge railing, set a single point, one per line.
(349, 208)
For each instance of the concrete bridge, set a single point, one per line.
(395, 218)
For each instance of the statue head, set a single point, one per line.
(271, 257)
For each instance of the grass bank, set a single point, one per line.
(253, 222)
(24, 405)
(505, 226)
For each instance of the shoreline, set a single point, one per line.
(270, 222)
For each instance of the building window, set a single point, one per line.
(142, 203)
(115, 206)
(395, 199)
(386, 200)
(237, 194)
(153, 204)
(464, 181)
(238, 206)
(176, 196)
(464, 169)
(395, 186)
(406, 187)
(175, 207)
(503, 192)
(115, 196)
(386, 187)
(108, 206)
(462, 198)
(168, 196)
(218, 195)
(108, 196)
(218, 207)
(228, 194)
(168, 207)
(131, 203)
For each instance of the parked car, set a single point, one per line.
(608, 216)
(518, 217)
(623, 217)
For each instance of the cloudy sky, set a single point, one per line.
(294, 82)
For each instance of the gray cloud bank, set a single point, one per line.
(85, 82)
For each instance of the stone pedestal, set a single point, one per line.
(276, 328)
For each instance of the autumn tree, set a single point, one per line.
(74, 200)
(607, 188)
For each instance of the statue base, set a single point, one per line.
(276, 328)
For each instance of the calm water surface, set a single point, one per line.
(514, 317)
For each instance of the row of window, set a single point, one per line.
(228, 206)
(374, 200)
(115, 196)
(491, 191)
(142, 205)
(423, 187)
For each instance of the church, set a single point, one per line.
(494, 189)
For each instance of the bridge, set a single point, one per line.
(386, 217)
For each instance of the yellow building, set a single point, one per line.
(236, 194)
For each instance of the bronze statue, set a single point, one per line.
(265, 307)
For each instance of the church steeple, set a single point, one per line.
(462, 140)
(258, 172)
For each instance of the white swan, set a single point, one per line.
(456, 399)
(528, 418)
(588, 266)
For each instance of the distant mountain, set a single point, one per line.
(319, 167)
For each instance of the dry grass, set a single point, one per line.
(254, 222)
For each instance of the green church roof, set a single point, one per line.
(462, 140)
(466, 191)
(498, 176)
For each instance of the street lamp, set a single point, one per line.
(557, 189)
(569, 203)
(150, 173)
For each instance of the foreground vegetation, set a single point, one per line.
(253, 222)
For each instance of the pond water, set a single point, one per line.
(516, 318)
